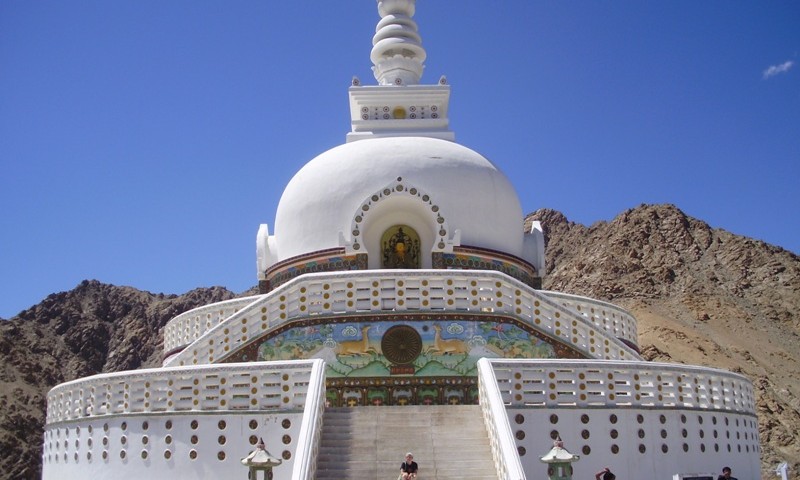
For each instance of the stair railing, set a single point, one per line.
(305, 465)
(504, 451)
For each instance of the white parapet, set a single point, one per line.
(642, 419)
(190, 325)
(596, 329)
(188, 422)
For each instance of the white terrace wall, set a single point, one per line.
(177, 422)
(641, 419)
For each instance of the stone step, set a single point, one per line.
(365, 443)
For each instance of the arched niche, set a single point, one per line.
(400, 204)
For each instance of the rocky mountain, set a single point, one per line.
(701, 295)
(91, 329)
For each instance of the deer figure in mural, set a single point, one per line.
(447, 346)
(356, 347)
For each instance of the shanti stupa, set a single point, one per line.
(400, 308)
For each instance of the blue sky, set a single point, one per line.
(143, 142)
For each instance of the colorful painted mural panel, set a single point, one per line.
(432, 348)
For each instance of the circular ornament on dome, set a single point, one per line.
(401, 344)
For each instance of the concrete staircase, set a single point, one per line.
(369, 443)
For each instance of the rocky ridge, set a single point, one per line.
(701, 295)
(91, 329)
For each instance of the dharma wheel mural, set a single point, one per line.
(419, 361)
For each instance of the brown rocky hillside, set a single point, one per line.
(91, 329)
(701, 295)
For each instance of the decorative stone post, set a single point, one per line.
(559, 462)
(260, 460)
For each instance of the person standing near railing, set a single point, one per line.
(726, 474)
(604, 474)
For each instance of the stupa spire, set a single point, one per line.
(399, 106)
(397, 51)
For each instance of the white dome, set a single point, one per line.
(325, 196)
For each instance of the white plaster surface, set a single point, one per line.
(324, 196)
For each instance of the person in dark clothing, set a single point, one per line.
(604, 474)
(408, 469)
(726, 474)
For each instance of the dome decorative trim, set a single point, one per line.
(329, 260)
(444, 239)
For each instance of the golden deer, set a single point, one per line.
(449, 346)
(356, 347)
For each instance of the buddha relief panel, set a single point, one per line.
(400, 248)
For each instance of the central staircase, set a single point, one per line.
(449, 442)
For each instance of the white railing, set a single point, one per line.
(613, 319)
(188, 326)
(475, 292)
(229, 387)
(504, 451)
(305, 463)
(611, 384)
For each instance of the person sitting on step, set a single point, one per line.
(408, 469)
